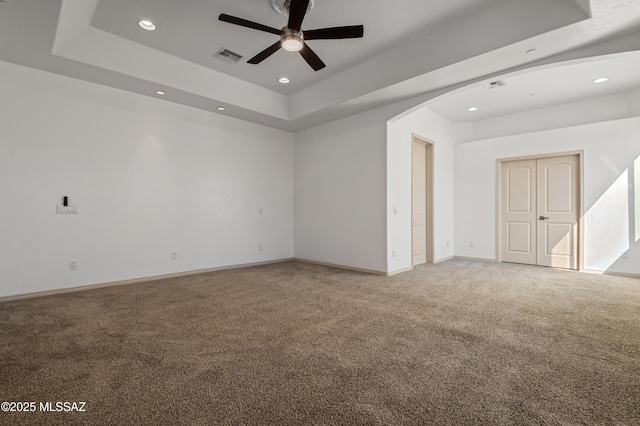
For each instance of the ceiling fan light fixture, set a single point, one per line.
(292, 44)
(291, 41)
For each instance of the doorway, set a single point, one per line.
(421, 200)
(539, 211)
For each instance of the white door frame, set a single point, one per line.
(430, 185)
(499, 162)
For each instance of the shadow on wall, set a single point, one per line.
(616, 216)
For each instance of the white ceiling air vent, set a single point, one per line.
(228, 56)
(494, 84)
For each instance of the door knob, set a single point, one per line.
(543, 217)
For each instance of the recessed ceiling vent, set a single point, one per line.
(494, 84)
(228, 56)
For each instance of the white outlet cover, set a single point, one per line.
(66, 210)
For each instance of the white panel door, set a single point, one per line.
(419, 203)
(558, 211)
(539, 210)
(519, 212)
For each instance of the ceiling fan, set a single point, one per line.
(292, 38)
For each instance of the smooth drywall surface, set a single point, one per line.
(611, 166)
(634, 103)
(340, 198)
(442, 133)
(605, 108)
(148, 178)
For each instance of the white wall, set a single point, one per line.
(633, 104)
(443, 134)
(605, 108)
(148, 177)
(610, 150)
(340, 199)
(351, 173)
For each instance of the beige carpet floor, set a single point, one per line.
(458, 343)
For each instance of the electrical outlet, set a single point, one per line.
(447, 243)
(66, 209)
(73, 265)
(260, 247)
(174, 255)
(470, 243)
(393, 253)
(395, 210)
(260, 210)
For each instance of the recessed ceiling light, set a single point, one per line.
(600, 80)
(220, 108)
(159, 92)
(284, 80)
(472, 109)
(145, 24)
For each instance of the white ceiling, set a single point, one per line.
(411, 48)
(569, 81)
(189, 29)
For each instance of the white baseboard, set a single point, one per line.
(399, 271)
(135, 280)
(618, 274)
(444, 259)
(477, 259)
(334, 265)
(622, 274)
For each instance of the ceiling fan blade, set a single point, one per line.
(249, 24)
(312, 59)
(265, 53)
(353, 31)
(297, 10)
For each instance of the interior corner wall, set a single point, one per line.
(634, 103)
(148, 177)
(611, 166)
(429, 125)
(340, 199)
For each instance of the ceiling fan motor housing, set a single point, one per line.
(282, 6)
